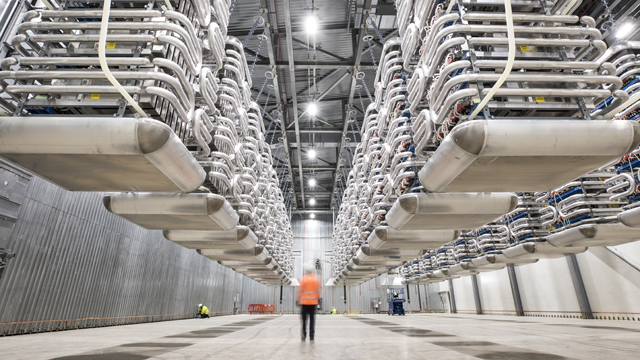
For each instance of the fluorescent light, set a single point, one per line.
(312, 215)
(311, 25)
(312, 182)
(312, 201)
(624, 30)
(311, 154)
(312, 109)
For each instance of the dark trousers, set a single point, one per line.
(203, 316)
(308, 311)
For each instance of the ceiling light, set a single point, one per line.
(311, 154)
(312, 182)
(624, 30)
(312, 201)
(311, 25)
(312, 109)
(312, 215)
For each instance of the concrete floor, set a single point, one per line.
(422, 336)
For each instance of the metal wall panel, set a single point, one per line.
(77, 265)
(312, 240)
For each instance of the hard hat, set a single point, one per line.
(200, 305)
(308, 268)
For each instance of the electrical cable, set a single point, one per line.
(102, 44)
(512, 56)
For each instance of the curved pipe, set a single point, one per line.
(616, 48)
(541, 78)
(451, 99)
(628, 181)
(179, 72)
(89, 38)
(81, 61)
(620, 96)
(194, 65)
(576, 31)
(201, 132)
(69, 89)
(188, 36)
(89, 74)
(164, 93)
(440, 52)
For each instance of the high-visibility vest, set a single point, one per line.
(333, 311)
(309, 292)
(204, 310)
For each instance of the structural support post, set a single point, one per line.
(515, 290)
(452, 296)
(476, 294)
(344, 287)
(281, 298)
(426, 290)
(419, 299)
(578, 285)
(408, 295)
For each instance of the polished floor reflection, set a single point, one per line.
(442, 336)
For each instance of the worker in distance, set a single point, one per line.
(203, 311)
(308, 296)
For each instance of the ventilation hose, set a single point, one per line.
(102, 44)
(507, 70)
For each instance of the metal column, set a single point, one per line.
(476, 294)
(344, 287)
(515, 290)
(578, 285)
(452, 298)
(419, 299)
(426, 290)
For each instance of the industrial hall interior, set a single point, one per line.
(319, 179)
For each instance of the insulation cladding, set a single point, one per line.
(77, 265)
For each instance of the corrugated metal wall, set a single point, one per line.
(75, 260)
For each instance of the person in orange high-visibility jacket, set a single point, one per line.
(308, 297)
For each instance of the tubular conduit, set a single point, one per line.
(624, 105)
(507, 70)
(102, 44)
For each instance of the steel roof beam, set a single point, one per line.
(323, 78)
(276, 89)
(312, 131)
(325, 28)
(318, 168)
(292, 76)
(318, 65)
(357, 51)
(319, 49)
